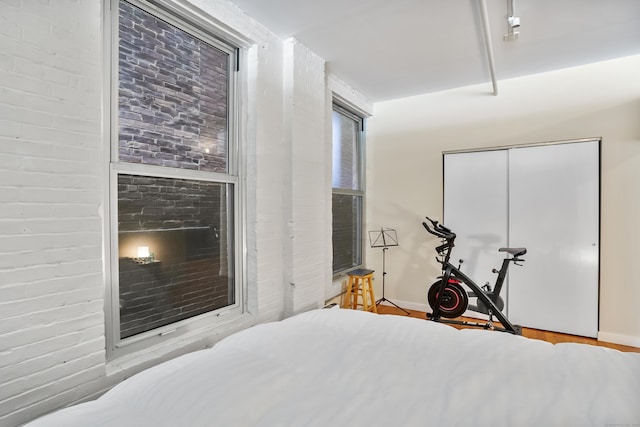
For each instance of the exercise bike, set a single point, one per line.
(449, 299)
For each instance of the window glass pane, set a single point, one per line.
(346, 161)
(172, 95)
(175, 252)
(347, 231)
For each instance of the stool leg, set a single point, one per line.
(365, 291)
(365, 294)
(356, 293)
(372, 298)
(346, 303)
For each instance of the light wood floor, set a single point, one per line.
(552, 337)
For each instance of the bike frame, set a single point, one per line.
(497, 287)
(451, 271)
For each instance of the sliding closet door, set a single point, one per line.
(475, 208)
(554, 212)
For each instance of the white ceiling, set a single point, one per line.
(390, 49)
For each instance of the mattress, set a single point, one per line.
(336, 367)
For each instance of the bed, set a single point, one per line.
(337, 367)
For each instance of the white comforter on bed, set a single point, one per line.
(349, 368)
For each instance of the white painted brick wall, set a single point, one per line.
(52, 324)
(51, 287)
(308, 268)
(265, 158)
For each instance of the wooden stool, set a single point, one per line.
(360, 286)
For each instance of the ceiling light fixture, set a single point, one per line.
(513, 22)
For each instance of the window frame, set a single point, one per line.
(194, 25)
(351, 113)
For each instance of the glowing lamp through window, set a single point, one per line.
(143, 252)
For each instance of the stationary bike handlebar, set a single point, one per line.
(449, 236)
(439, 230)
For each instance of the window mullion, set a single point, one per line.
(173, 173)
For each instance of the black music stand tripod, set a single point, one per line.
(384, 238)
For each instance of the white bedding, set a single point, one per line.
(350, 368)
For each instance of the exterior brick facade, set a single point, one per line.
(184, 224)
(347, 240)
(172, 106)
(172, 97)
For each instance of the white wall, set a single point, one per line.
(404, 169)
(52, 185)
(307, 268)
(51, 286)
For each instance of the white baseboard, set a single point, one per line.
(619, 339)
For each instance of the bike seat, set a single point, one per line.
(516, 252)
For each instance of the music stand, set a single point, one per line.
(384, 238)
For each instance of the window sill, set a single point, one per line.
(128, 363)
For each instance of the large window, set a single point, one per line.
(174, 173)
(348, 189)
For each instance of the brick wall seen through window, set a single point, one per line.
(176, 191)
